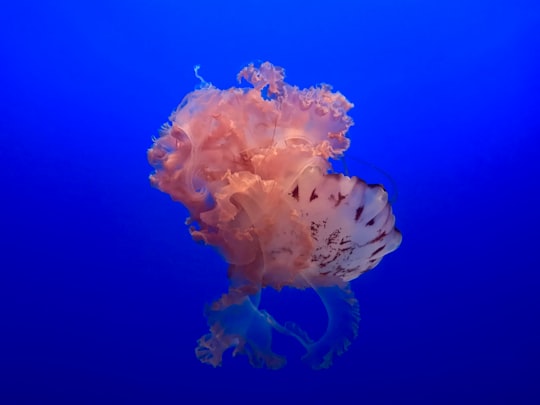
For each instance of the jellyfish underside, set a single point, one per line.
(248, 329)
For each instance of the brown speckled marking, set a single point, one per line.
(358, 214)
(345, 240)
(332, 237)
(340, 198)
(377, 250)
(314, 228)
(294, 194)
(378, 238)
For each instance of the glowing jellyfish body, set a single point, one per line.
(252, 167)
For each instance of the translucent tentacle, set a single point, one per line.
(343, 319)
(236, 322)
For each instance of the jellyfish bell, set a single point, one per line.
(253, 168)
(350, 222)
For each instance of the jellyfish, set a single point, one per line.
(253, 167)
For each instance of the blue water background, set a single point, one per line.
(101, 289)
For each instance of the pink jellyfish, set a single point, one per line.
(252, 166)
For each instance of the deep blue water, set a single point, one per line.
(101, 289)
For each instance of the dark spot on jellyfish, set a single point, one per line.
(313, 196)
(332, 237)
(336, 256)
(294, 194)
(378, 238)
(341, 197)
(314, 227)
(359, 211)
(377, 250)
(371, 222)
(345, 240)
(325, 273)
(340, 270)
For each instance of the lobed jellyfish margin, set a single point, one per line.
(253, 167)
